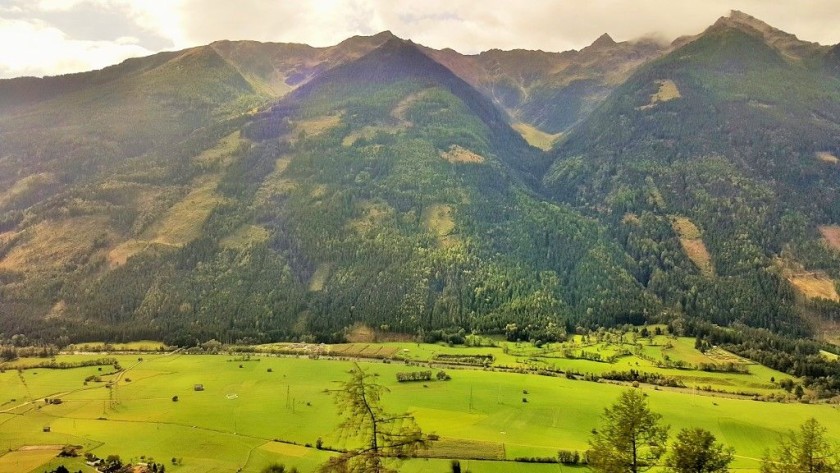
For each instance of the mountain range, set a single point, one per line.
(249, 191)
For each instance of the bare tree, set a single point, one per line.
(383, 435)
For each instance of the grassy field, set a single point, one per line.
(249, 403)
(536, 137)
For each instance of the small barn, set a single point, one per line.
(198, 387)
(46, 428)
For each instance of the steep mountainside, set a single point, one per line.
(732, 136)
(386, 191)
(251, 191)
(551, 91)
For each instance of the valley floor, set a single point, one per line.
(257, 409)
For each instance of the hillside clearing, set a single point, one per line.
(319, 277)
(399, 112)
(536, 137)
(458, 154)
(244, 236)
(831, 234)
(221, 154)
(275, 185)
(827, 157)
(438, 220)
(667, 91)
(184, 220)
(810, 284)
(57, 243)
(692, 244)
(815, 285)
(125, 250)
(315, 126)
(28, 186)
(368, 133)
(371, 215)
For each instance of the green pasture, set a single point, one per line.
(657, 348)
(246, 405)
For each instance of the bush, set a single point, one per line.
(535, 459)
(277, 468)
(568, 457)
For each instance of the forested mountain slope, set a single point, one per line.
(254, 191)
(725, 147)
(386, 191)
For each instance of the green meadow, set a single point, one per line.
(262, 409)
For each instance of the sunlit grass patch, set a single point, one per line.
(831, 234)
(692, 243)
(244, 236)
(827, 157)
(315, 126)
(319, 277)
(458, 154)
(59, 243)
(667, 91)
(222, 153)
(27, 458)
(28, 185)
(815, 285)
(464, 449)
(439, 221)
(536, 137)
(184, 220)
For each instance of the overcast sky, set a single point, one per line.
(48, 37)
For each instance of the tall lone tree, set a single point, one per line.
(631, 438)
(697, 451)
(806, 451)
(383, 435)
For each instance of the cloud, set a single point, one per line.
(553, 25)
(46, 50)
(316, 22)
(64, 35)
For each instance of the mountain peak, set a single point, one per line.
(740, 20)
(364, 44)
(385, 35)
(603, 41)
(738, 15)
(786, 43)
